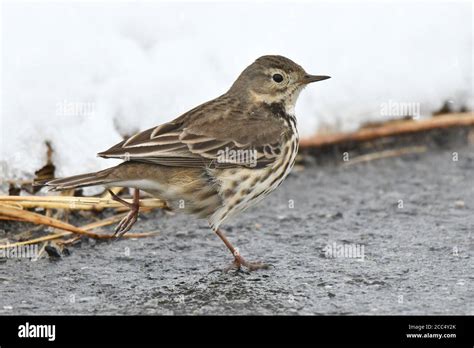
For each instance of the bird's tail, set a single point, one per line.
(76, 181)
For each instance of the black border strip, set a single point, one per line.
(139, 330)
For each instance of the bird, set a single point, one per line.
(216, 160)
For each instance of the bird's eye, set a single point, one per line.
(277, 78)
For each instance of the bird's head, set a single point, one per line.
(273, 79)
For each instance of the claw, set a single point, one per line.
(126, 223)
(239, 261)
(129, 220)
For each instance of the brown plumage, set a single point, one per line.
(219, 158)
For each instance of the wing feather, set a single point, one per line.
(197, 139)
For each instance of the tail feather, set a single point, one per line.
(76, 181)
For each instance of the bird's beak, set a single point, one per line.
(313, 78)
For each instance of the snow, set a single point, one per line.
(82, 75)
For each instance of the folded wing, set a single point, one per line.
(197, 139)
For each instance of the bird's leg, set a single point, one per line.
(239, 261)
(127, 222)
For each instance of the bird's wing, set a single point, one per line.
(217, 133)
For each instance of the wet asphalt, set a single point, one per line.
(405, 223)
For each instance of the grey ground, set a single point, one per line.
(411, 265)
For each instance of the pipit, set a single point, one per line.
(217, 159)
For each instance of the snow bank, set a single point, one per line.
(82, 75)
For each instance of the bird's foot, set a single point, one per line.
(240, 262)
(129, 220)
(126, 223)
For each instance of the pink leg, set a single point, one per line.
(239, 261)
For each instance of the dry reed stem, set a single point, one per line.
(386, 154)
(73, 203)
(43, 220)
(391, 129)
